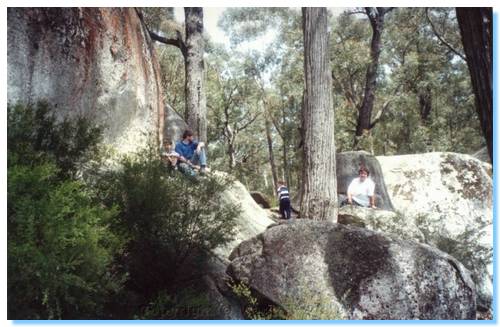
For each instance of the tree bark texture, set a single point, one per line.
(364, 124)
(476, 29)
(196, 107)
(319, 184)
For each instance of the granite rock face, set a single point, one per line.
(253, 219)
(95, 62)
(449, 197)
(353, 273)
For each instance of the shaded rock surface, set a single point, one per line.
(174, 125)
(448, 196)
(252, 220)
(220, 295)
(353, 273)
(348, 164)
(93, 62)
(261, 199)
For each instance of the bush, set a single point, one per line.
(172, 222)
(59, 245)
(188, 303)
(310, 306)
(35, 136)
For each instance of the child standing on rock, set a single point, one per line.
(284, 199)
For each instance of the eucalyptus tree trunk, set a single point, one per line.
(476, 28)
(364, 124)
(196, 106)
(319, 184)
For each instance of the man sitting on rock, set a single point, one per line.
(361, 191)
(192, 154)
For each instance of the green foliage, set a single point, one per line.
(35, 135)
(172, 222)
(188, 303)
(310, 306)
(60, 248)
(252, 308)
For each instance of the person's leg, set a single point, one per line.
(185, 169)
(200, 158)
(288, 212)
(282, 209)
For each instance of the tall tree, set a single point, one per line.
(192, 49)
(364, 122)
(196, 103)
(319, 184)
(476, 28)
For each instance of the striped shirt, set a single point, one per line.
(283, 193)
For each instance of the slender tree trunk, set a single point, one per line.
(364, 123)
(425, 103)
(230, 152)
(476, 28)
(286, 166)
(196, 108)
(319, 183)
(271, 152)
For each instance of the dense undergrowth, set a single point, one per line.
(85, 243)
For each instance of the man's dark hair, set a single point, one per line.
(187, 133)
(365, 170)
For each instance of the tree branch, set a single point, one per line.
(248, 123)
(442, 39)
(380, 113)
(178, 42)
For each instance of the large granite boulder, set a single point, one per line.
(93, 62)
(253, 219)
(348, 164)
(448, 196)
(353, 273)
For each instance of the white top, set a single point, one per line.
(361, 191)
(170, 154)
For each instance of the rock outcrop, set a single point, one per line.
(348, 164)
(174, 125)
(93, 62)
(261, 199)
(353, 273)
(448, 196)
(251, 221)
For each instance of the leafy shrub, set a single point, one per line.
(311, 306)
(59, 245)
(188, 303)
(35, 135)
(172, 222)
